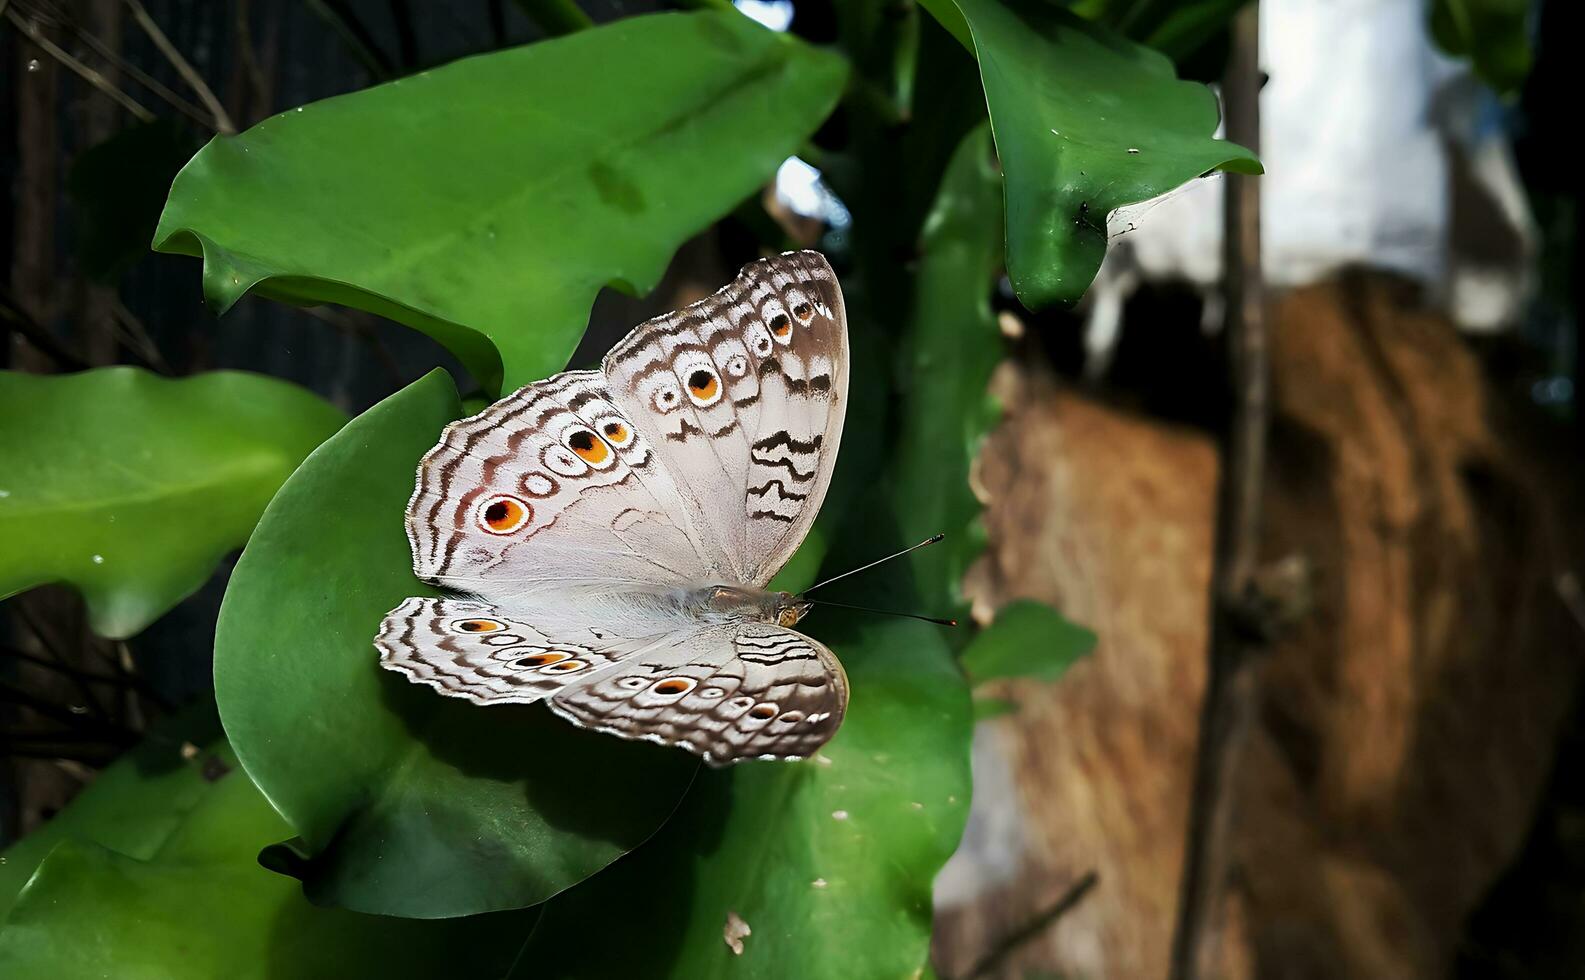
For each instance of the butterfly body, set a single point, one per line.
(609, 534)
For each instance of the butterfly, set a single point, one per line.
(610, 534)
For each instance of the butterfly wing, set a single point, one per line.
(743, 395)
(549, 488)
(727, 693)
(474, 650)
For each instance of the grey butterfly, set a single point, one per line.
(611, 532)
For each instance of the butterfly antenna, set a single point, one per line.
(885, 612)
(865, 568)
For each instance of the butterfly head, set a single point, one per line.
(790, 609)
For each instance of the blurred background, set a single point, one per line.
(1393, 780)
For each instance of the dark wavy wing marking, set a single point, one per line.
(746, 391)
(726, 693)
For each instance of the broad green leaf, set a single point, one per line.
(1085, 122)
(134, 805)
(828, 861)
(1493, 34)
(201, 907)
(1027, 639)
(486, 202)
(408, 803)
(953, 344)
(131, 487)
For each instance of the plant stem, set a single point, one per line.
(1042, 921)
(81, 723)
(59, 668)
(16, 318)
(353, 34)
(184, 68)
(140, 76)
(84, 72)
(1228, 708)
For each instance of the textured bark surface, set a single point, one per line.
(1408, 713)
(1107, 516)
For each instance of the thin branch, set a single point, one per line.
(42, 340)
(138, 338)
(354, 34)
(1041, 921)
(406, 37)
(84, 72)
(1238, 626)
(184, 68)
(65, 715)
(51, 664)
(142, 77)
(251, 72)
(57, 751)
(361, 330)
(10, 735)
(51, 644)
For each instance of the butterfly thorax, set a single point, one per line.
(745, 604)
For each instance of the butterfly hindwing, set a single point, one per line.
(727, 693)
(474, 650)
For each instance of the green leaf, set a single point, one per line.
(134, 805)
(953, 345)
(201, 907)
(131, 487)
(829, 861)
(1085, 123)
(1493, 34)
(486, 202)
(407, 802)
(1028, 639)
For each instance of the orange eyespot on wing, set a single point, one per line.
(503, 514)
(589, 447)
(702, 385)
(543, 659)
(478, 626)
(674, 685)
(780, 325)
(565, 666)
(763, 710)
(803, 311)
(616, 432)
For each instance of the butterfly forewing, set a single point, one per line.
(745, 392)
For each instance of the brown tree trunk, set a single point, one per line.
(1407, 711)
